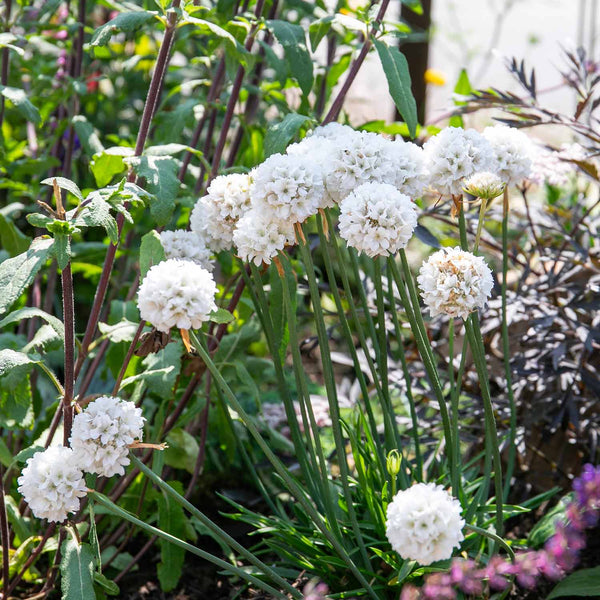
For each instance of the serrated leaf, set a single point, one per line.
(396, 71)
(19, 98)
(279, 135)
(126, 21)
(77, 571)
(123, 331)
(585, 582)
(17, 274)
(151, 252)
(11, 239)
(293, 39)
(165, 366)
(160, 173)
(15, 392)
(64, 184)
(96, 213)
(221, 315)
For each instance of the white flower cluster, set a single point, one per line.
(551, 167)
(377, 219)
(424, 523)
(185, 245)
(512, 150)
(215, 216)
(455, 154)
(454, 282)
(52, 483)
(177, 293)
(102, 433)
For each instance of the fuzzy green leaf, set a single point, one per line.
(77, 571)
(221, 315)
(151, 252)
(11, 239)
(19, 98)
(125, 21)
(64, 184)
(17, 274)
(30, 313)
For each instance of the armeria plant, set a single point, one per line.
(198, 280)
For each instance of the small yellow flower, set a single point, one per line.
(435, 77)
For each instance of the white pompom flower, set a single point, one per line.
(215, 215)
(454, 282)
(512, 149)
(455, 154)
(102, 433)
(289, 187)
(52, 483)
(408, 168)
(258, 237)
(333, 131)
(377, 219)
(186, 245)
(359, 157)
(177, 293)
(549, 167)
(424, 523)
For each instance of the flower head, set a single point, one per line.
(186, 245)
(52, 483)
(288, 187)
(377, 219)
(102, 433)
(424, 523)
(177, 293)
(359, 157)
(215, 215)
(549, 167)
(258, 238)
(512, 149)
(409, 169)
(455, 282)
(455, 154)
(484, 185)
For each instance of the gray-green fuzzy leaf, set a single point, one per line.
(126, 21)
(77, 571)
(17, 274)
(279, 135)
(19, 98)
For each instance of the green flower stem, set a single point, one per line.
(415, 317)
(418, 471)
(298, 366)
(482, 210)
(308, 470)
(211, 526)
(474, 336)
(512, 448)
(294, 488)
(453, 400)
(392, 436)
(348, 335)
(494, 537)
(334, 409)
(119, 512)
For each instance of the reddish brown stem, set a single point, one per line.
(132, 346)
(336, 107)
(147, 115)
(69, 321)
(4, 533)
